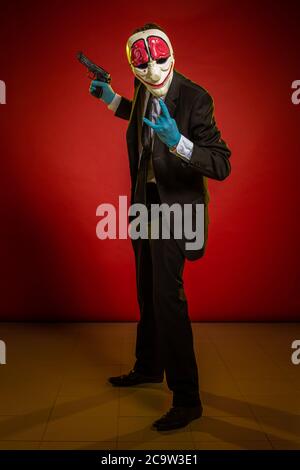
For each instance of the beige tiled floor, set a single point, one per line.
(54, 392)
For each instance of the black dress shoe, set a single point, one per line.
(134, 378)
(178, 417)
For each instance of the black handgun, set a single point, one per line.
(95, 72)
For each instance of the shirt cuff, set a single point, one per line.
(113, 105)
(184, 148)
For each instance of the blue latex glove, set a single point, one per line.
(108, 93)
(165, 127)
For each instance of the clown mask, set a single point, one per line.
(150, 55)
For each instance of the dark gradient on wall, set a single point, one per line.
(63, 153)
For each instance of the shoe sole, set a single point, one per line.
(138, 383)
(162, 428)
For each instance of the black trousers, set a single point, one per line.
(164, 339)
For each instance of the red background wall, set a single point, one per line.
(63, 153)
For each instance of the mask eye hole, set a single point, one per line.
(143, 66)
(162, 61)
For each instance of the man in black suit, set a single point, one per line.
(173, 145)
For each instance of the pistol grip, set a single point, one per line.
(98, 92)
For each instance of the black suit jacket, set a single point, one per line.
(179, 181)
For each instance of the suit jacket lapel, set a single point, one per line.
(172, 95)
(140, 110)
(171, 102)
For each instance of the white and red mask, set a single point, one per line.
(150, 55)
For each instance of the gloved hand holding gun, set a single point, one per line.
(100, 85)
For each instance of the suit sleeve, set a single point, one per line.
(210, 153)
(123, 110)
